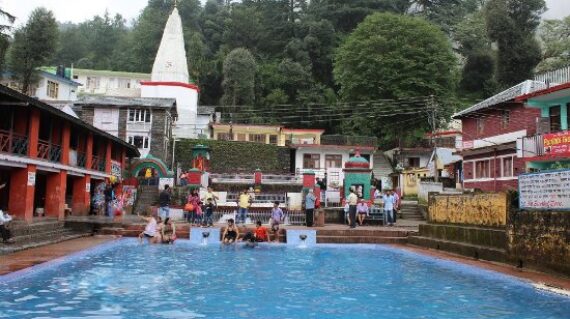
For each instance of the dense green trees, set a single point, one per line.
(239, 78)
(395, 57)
(34, 45)
(6, 21)
(295, 43)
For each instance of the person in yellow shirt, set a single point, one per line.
(244, 204)
(352, 201)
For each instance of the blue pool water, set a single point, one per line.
(127, 280)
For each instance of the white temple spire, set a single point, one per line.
(170, 64)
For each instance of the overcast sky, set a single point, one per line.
(81, 10)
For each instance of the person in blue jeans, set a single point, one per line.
(209, 216)
(244, 203)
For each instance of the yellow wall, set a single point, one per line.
(250, 130)
(411, 180)
(469, 209)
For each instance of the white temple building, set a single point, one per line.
(170, 79)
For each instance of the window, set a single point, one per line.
(92, 83)
(483, 169)
(258, 138)
(333, 161)
(506, 118)
(507, 167)
(139, 141)
(224, 137)
(139, 116)
(555, 119)
(52, 89)
(413, 162)
(480, 125)
(124, 83)
(273, 139)
(242, 137)
(312, 161)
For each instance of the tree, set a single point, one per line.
(555, 37)
(394, 57)
(34, 45)
(4, 36)
(239, 78)
(512, 25)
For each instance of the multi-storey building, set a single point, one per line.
(49, 158)
(491, 129)
(143, 122)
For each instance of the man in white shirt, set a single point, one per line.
(388, 200)
(4, 231)
(352, 201)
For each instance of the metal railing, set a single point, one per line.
(81, 159)
(554, 77)
(292, 217)
(97, 163)
(13, 143)
(250, 180)
(259, 198)
(49, 151)
(349, 140)
(532, 146)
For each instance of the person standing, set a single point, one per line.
(244, 204)
(164, 202)
(4, 231)
(108, 199)
(310, 201)
(352, 200)
(396, 205)
(388, 200)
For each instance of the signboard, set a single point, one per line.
(31, 178)
(547, 190)
(468, 144)
(165, 181)
(557, 143)
(115, 168)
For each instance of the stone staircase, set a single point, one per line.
(146, 196)
(362, 236)
(476, 242)
(409, 210)
(38, 233)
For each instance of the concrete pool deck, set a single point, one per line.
(28, 258)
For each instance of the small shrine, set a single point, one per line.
(357, 174)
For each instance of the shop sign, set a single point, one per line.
(557, 143)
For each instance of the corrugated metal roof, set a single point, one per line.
(505, 96)
(126, 101)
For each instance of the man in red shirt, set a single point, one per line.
(260, 232)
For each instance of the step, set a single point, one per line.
(360, 240)
(363, 232)
(488, 237)
(15, 247)
(473, 251)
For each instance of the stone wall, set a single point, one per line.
(487, 210)
(159, 145)
(540, 239)
(87, 114)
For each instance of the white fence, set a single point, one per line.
(554, 77)
(432, 187)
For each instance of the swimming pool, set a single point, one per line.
(125, 280)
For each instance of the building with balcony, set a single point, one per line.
(490, 132)
(110, 83)
(266, 134)
(49, 88)
(143, 122)
(549, 148)
(50, 159)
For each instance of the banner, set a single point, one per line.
(557, 143)
(548, 190)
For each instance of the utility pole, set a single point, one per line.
(432, 118)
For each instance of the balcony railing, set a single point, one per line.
(49, 151)
(532, 146)
(13, 143)
(349, 140)
(81, 159)
(98, 164)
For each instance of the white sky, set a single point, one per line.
(81, 10)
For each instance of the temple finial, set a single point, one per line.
(176, 3)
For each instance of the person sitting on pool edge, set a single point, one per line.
(250, 240)
(150, 230)
(231, 233)
(168, 232)
(261, 233)
(277, 217)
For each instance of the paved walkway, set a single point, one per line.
(30, 257)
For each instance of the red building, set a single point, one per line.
(490, 132)
(49, 158)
